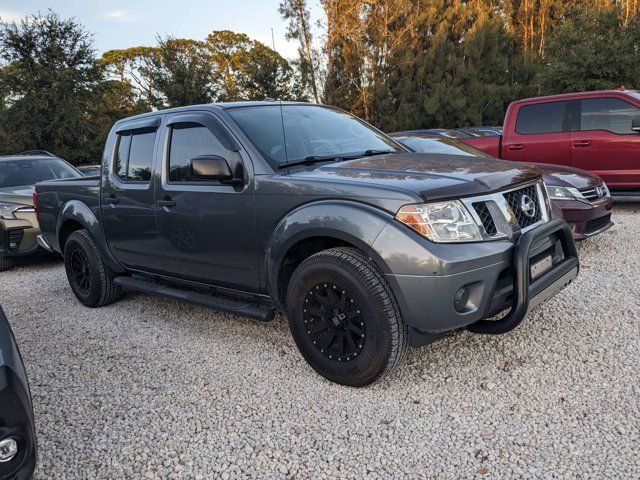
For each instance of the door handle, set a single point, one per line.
(166, 203)
(582, 143)
(112, 199)
(515, 146)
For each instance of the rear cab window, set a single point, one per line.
(134, 155)
(549, 117)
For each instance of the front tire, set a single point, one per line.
(344, 317)
(6, 263)
(90, 279)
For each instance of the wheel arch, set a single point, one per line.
(76, 215)
(315, 227)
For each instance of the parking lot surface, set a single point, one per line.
(152, 388)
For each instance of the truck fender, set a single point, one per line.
(347, 221)
(77, 211)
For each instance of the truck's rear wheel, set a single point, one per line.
(344, 317)
(6, 263)
(90, 279)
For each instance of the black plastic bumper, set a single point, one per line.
(16, 411)
(527, 293)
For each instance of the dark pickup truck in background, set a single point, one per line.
(257, 206)
(594, 131)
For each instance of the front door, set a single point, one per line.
(541, 134)
(605, 144)
(127, 197)
(207, 229)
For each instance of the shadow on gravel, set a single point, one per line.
(40, 259)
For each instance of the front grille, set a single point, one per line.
(594, 193)
(525, 197)
(485, 217)
(14, 238)
(597, 223)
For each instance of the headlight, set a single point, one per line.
(441, 222)
(563, 193)
(606, 189)
(7, 210)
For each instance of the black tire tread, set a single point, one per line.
(6, 263)
(366, 271)
(109, 291)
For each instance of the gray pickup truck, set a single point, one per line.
(258, 206)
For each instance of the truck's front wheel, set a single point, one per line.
(6, 263)
(344, 317)
(90, 279)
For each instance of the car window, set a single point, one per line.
(289, 133)
(134, 155)
(16, 173)
(190, 140)
(612, 114)
(541, 118)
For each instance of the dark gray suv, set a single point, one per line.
(256, 206)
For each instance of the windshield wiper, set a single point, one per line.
(310, 160)
(369, 153)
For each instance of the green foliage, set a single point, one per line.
(592, 50)
(48, 79)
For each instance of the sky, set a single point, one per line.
(117, 24)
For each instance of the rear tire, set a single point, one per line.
(344, 317)
(6, 263)
(89, 278)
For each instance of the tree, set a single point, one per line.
(297, 14)
(592, 50)
(181, 73)
(47, 81)
(228, 52)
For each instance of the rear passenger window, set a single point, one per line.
(610, 114)
(191, 140)
(541, 118)
(134, 155)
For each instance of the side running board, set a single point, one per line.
(251, 310)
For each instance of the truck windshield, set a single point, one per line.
(15, 173)
(292, 133)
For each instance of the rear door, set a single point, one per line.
(541, 134)
(206, 229)
(127, 197)
(604, 143)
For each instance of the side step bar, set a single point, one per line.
(251, 310)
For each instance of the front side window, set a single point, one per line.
(134, 155)
(612, 114)
(188, 141)
(290, 133)
(541, 118)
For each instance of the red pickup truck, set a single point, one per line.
(594, 131)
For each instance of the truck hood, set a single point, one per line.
(432, 176)
(561, 176)
(22, 194)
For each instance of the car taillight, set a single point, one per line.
(35, 204)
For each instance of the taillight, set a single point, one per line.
(35, 204)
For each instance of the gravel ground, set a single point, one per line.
(154, 388)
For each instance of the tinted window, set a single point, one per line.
(134, 155)
(541, 118)
(610, 114)
(141, 156)
(14, 173)
(122, 153)
(308, 131)
(189, 141)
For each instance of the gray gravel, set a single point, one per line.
(154, 388)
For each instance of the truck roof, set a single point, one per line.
(575, 95)
(218, 105)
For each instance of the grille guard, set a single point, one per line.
(523, 289)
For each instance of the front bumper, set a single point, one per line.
(18, 237)
(495, 274)
(16, 411)
(586, 219)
